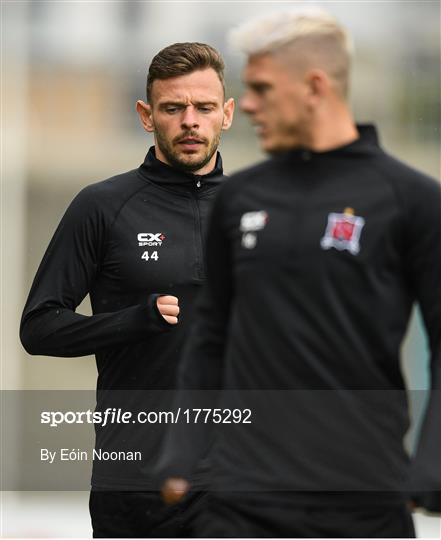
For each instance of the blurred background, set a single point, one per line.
(71, 73)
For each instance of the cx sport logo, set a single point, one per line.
(150, 239)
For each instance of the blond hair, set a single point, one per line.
(313, 37)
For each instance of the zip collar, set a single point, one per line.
(161, 173)
(366, 143)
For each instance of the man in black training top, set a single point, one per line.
(314, 260)
(134, 242)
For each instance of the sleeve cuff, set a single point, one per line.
(154, 315)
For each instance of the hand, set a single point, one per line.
(174, 490)
(168, 307)
(411, 505)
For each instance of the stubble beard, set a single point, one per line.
(179, 161)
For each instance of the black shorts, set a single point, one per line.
(278, 515)
(142, 514)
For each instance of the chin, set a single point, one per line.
(193, 161)
(192, 164)
(190, 157)
(276, 147)
(270, 147)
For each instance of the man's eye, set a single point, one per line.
(205, 109)
(171, 110)
(260, 89)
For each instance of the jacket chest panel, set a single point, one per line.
(155, 244)
(322, 228)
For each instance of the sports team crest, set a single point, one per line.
(343, 231)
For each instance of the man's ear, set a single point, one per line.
(318, 84)
(228, 114)
(144, 111)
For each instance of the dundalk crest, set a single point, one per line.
(343, 231)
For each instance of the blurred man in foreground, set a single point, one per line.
(314, 260)
(134, 243)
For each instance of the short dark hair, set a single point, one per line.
(181, 59)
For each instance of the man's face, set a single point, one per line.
(276, 99)
(187, 114)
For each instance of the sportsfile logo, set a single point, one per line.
(150, 239)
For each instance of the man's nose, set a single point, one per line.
(247, 103)
(189, 118)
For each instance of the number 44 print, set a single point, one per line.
(147, 257)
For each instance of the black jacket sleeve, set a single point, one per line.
(49, 324)
(423, 264)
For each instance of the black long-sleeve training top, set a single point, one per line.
(314, 260)
(123, 241)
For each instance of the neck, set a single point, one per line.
(331, 128)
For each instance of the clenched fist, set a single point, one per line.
(168, 308)
(174, 490)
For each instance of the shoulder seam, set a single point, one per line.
(117, 213)
(400, 201)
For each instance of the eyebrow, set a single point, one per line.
(206, 103)
(184, 104)
(258, 85)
